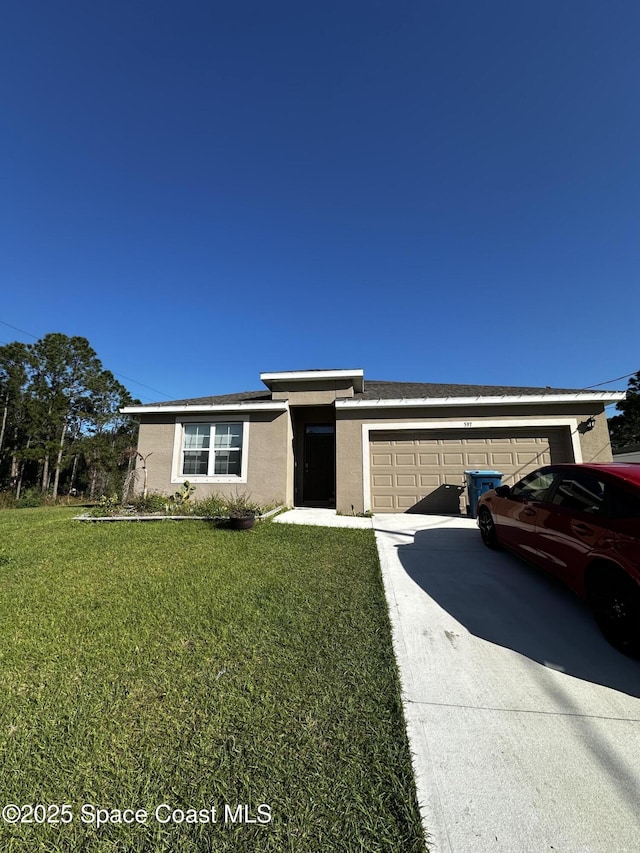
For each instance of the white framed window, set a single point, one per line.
(211, 451)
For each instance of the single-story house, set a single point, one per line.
(333, 438)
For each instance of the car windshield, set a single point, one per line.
(533, 486)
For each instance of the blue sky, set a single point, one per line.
(431, 191)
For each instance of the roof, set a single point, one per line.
(379, 390)
(392, 392)
(356, 375)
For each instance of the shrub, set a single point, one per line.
(241, 506)
(213, 506)
(30, 498)
(154, 502)
(180, 502)
(105, 506)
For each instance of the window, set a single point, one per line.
(533, 486)
(319, 429)
(581, 491)
(212, 450)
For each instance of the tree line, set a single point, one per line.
(625, 427)
(61, 431)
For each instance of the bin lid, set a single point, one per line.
(485, 473)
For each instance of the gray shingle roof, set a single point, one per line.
(240, 397)
(374, 390)
(382, 390)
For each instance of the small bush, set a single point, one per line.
(213, 506)
(154, 502)
(241, 506)
(107, 505)
(30, 498)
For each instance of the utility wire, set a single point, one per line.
(128, 378)
(609, 381)
(19, 330)
(156, 391)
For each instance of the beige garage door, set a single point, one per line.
(424, 471)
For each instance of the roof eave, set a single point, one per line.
(269, 406)
(357, 375)
(604, 397)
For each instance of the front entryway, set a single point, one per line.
(319, 464)
(314, 451)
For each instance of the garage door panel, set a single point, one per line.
(538, 457)
(406, 480)
(428, 459)
(383, 503)
(452, 459)
(405, 459)
(380, 459)
(404, 502)
(384, 480)
(430, 480)
(477, 460)
(500, 458)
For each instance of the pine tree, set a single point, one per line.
(625, 428)
(58, 406)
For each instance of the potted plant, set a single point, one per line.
(242, 514)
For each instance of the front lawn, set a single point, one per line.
(180, 664)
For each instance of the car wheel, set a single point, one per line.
(615, 602)
(488, 529)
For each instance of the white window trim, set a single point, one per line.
(176, 467)
(470, 424)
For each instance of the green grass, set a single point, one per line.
(182, 664)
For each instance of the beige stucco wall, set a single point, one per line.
(595, 444)
(270, 471)
(313, 392)
(270, 460)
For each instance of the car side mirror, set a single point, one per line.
(503, 491)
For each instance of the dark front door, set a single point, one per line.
(319, 473)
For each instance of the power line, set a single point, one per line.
(128, 378)
(19, 330)
(170, 396)
(609, 381)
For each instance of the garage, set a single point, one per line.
(423, 470)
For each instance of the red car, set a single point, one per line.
(582, 524)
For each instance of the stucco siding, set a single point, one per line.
(593, 445)
(269, 464)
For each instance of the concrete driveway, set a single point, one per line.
(524, 722)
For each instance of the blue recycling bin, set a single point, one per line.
(479, 482)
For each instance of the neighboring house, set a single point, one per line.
(630, 453)
(332, 438)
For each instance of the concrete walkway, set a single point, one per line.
(322, 518)
(524, 723)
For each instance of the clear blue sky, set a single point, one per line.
(433, 191)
